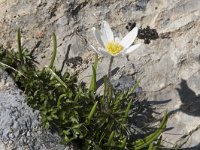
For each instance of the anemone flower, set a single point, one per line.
(111, 45)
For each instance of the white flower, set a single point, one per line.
(114, 46)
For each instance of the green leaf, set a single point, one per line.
(67, 140)
(139, 144)
(54, 51)
(5, 65)
(127, 110)
(102, 136)
(19, 44)
(96, 147)
(123, 145)
(91, 112)
(93, 78)
(150, 146)
(57, 77)
(132, 89)
(47, 125)
(110, 92)
(153, 146)
(59, 99)
(111, 138)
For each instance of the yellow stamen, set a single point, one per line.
(113, 47)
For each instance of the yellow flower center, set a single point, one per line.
(113, 47)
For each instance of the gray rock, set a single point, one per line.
(20, 125)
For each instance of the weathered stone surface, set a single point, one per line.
(168, 67)
(20, 125)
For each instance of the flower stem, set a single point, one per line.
(108, 83)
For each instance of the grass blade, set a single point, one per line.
(92, 112)
(127, 110)
(111, 138)
(93, 78)
(57, 77)
(19, 44)
(54, 51)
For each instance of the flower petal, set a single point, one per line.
(131, 49)
(107, 32)
(98, 36)
(104, 39)
(129, 38)
(117, 39)
(94, 49)
(99, 50)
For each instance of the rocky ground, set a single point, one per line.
(168, 66)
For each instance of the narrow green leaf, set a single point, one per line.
(96, 61)
(127, 110)
(4, 65)
(134, 87)
(92, 112)
(160, 129)
(111, 138)
(57, 77)
(150, 146)
(54, 51)
(139, 144)
(77, 97)
(102, 136)
(19, 44)
(123, 145)
(153, 146)
(110, 92)
(67, 140)
(60, 98)
(93, 78)
(46, 125)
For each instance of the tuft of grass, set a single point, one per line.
(74, 111)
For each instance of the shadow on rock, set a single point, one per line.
(100, 82)
(145, 118)
(197, 147)
(66, 57)
(190, 101)
(192, 148)
(141, 118)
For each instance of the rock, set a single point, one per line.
(20, 125)
(168, 66)
(172, 72)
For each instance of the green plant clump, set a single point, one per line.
(74, 111)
